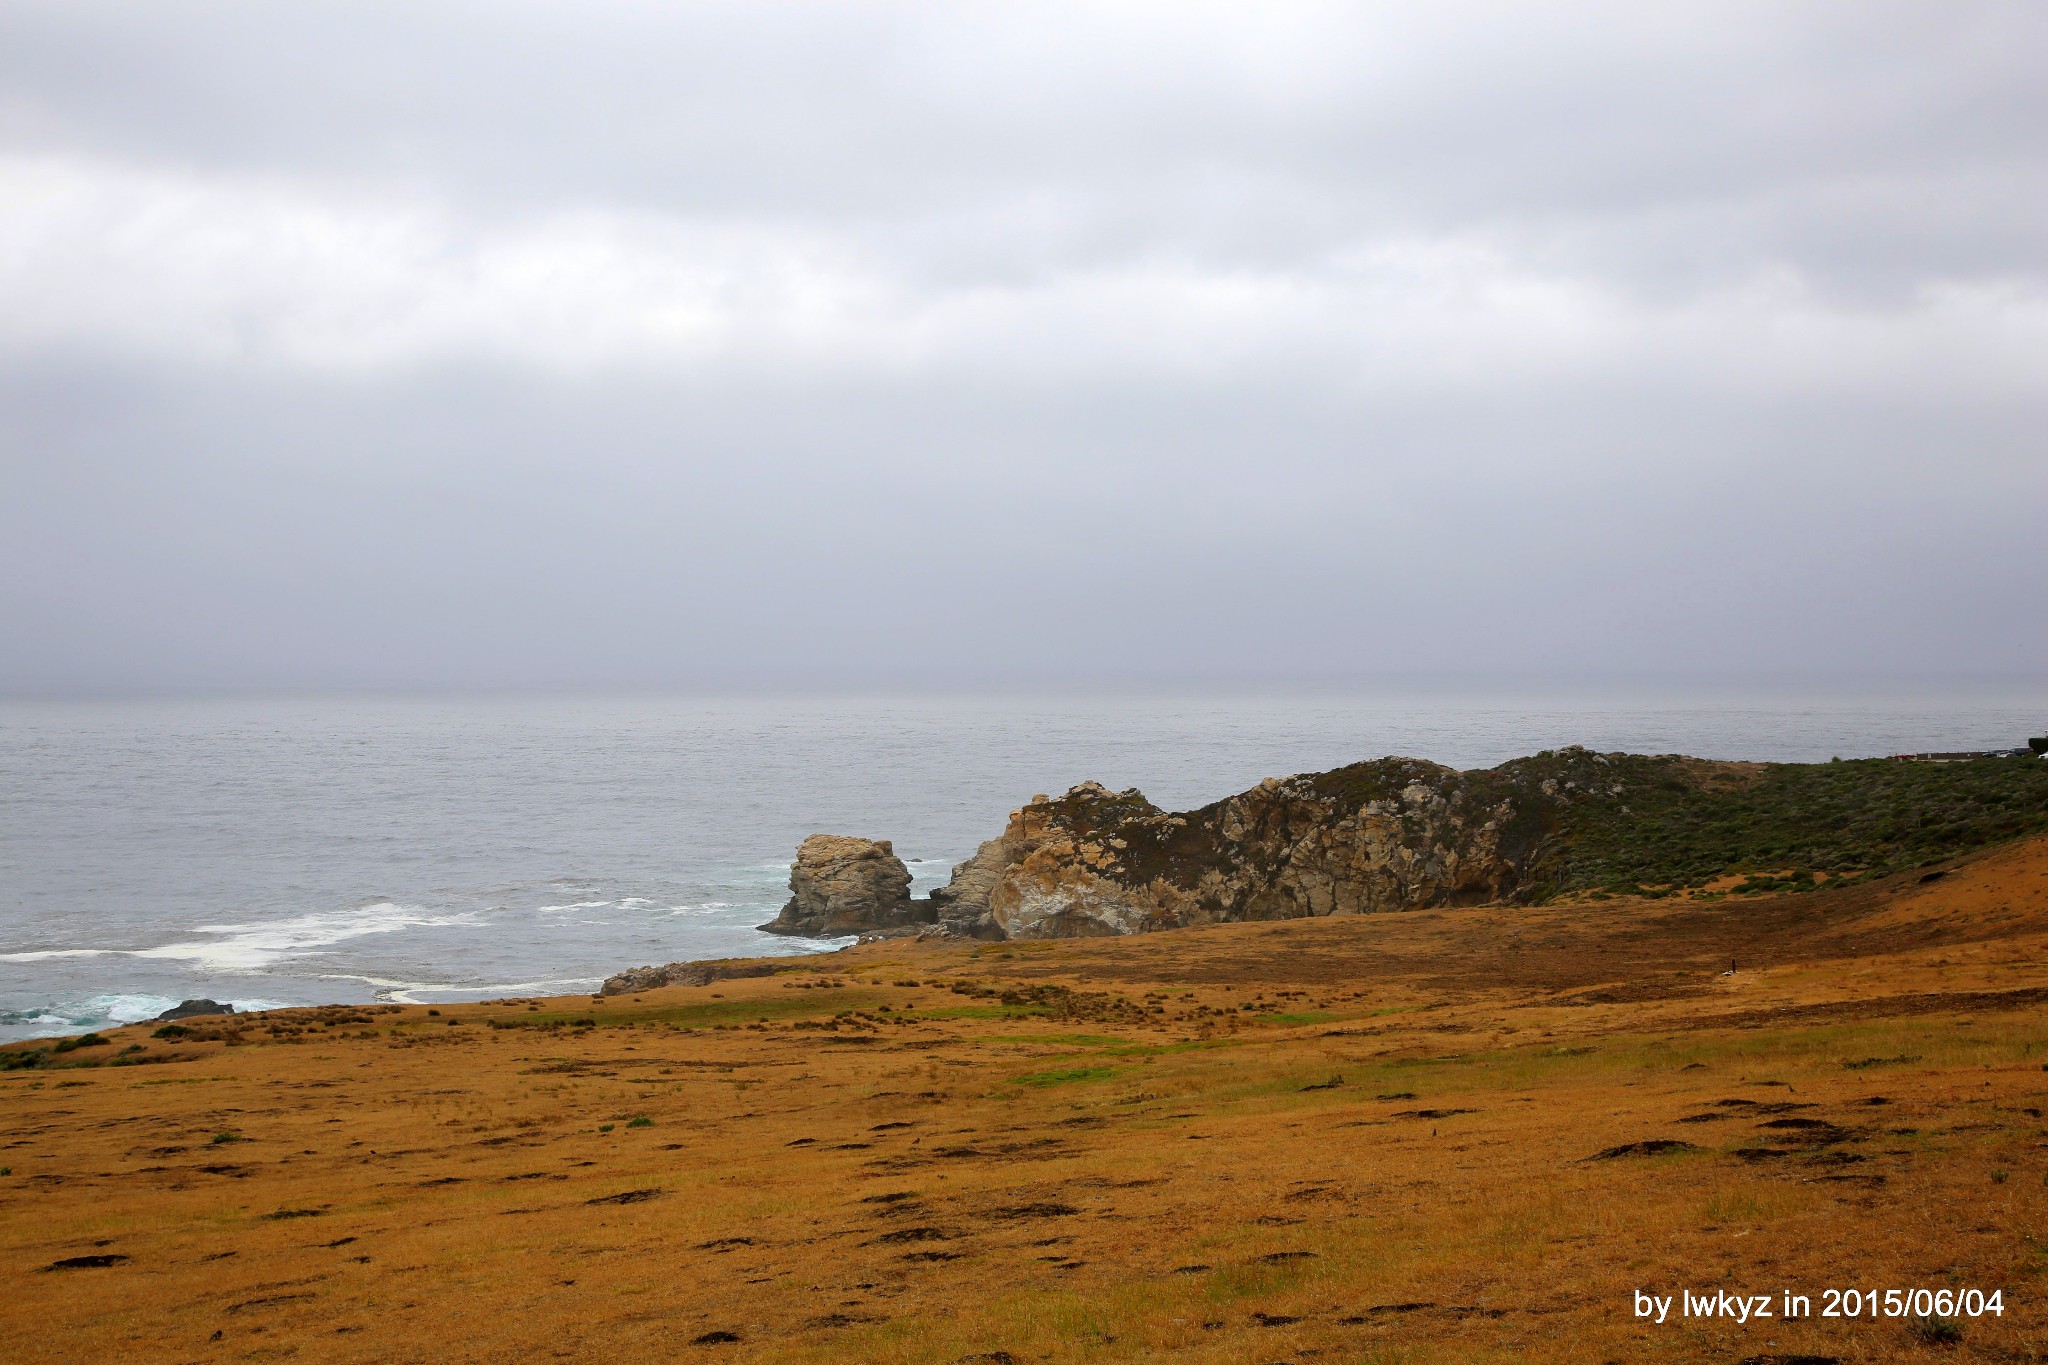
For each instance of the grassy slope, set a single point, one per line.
(1367, 1139)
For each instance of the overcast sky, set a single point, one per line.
(498, 343)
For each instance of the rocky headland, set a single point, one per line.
(1404, 834)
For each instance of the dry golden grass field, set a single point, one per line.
(1362, 1139)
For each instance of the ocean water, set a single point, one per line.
(315, 850)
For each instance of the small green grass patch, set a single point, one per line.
(1070, 1076)
(699, 1014)
(1062, 1039)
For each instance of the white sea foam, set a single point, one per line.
(255, 947)
(577, 905)
(245, 948)
(101, 1011)
(126, 1009)
(408, 992)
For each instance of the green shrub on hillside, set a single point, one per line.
(1678, 822)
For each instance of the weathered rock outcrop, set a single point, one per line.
(1401, 834)
(841, 885)
(1390, 835)
(686, 974)
(961, 905)
(193, 1009)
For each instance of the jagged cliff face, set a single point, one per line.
(1394, 834)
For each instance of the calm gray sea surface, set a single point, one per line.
(313, 850)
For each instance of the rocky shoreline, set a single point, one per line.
(1404, 834)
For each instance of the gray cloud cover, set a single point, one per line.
(530, 344)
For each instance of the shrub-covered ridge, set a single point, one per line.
(1398, 833)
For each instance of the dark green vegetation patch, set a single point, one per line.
(1562, 822)
(1679, 822)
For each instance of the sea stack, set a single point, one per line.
(842, 885)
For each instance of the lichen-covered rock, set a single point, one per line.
(1390, 835)
(961, 906)
(841, 885)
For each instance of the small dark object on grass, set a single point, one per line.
(1189, 1269)
(642, 1122)
(1047, 1210)
(221, 1139)
(988, 1358)
(626, 1197)
(295, 1213)
(1938, 1331)
(86, 1262)
(1330, 1084)
(1282, 1257)
(716, 1339)
(1791, 1360)
(913, 1235)
(1410, 1094)
(1647, 1147)
(1273, 1319)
